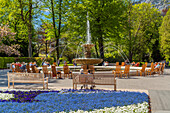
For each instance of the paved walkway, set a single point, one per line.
(157, 86)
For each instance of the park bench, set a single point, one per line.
(94, 79)
(27, 78)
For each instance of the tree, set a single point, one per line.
(7, 35)
(165, 35)
(143, 22)
(105, 20)
(55, 17)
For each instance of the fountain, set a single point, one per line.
(88, 60)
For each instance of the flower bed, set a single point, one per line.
(74, 101)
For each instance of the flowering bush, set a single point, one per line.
(74, 101)
(6, 96)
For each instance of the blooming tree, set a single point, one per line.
(6, 36)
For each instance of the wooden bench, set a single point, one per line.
(27, 78)
(94, 79)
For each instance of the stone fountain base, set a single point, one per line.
(87, 61)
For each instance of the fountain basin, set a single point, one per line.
(88, 61)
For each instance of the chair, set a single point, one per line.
(162, 69)
(117, 70)
(67, 71)
(91, 69)
(34, 69)
(45, 71)
(158, 70)
(150, 71)
(126, 71)
(17, 69)
(13, 69)
(146, 63)
(141, 71)
(84, 67)
(56, 73)
(28, 69)
(123, 64)
(117, 63)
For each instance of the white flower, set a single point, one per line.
(6, 96)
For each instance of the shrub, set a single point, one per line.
(39, 60)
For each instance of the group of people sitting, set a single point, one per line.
(21, 66)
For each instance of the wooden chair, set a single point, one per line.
(123, 64)
(150, 71)
(117, 71)
(162, 69)
(91, 68)
(17, 69)
(84, 67)
(117, 63)
(45, 71)
(34, 69)
(146, 63)
(56, 73)
(13, 69)
(126, 71)
(141, 71)
(28, 68)
(67, 71)
(158, 70)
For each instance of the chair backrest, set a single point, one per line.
(146, 63)
(54, 72)
(66, 69)
(33, 69)
(84, 67)
(28, 68)
(143, 68)
(44, 68)
(152, 66)
(118, 68)
(54, 63)
(17, 69)
(163, 66)
(13, 69)
(123, 63)
(91, 68)
(117, 63)
(127, 68)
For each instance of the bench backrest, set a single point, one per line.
(25, 76)
(107, 79)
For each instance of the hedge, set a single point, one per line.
(39, 60)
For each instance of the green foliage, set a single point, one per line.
(142, 30)
(165, 35)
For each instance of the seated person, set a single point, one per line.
(167, 64)
(133, 63)
(48, 63)
(44, 63)
(137, 64)
(23, 67)
(157, 66)
(30, 64)
(35, 64)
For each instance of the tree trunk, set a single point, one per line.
(30, 29)
(59, 29)
(55, 31)
(130, 36)
(96, 50)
